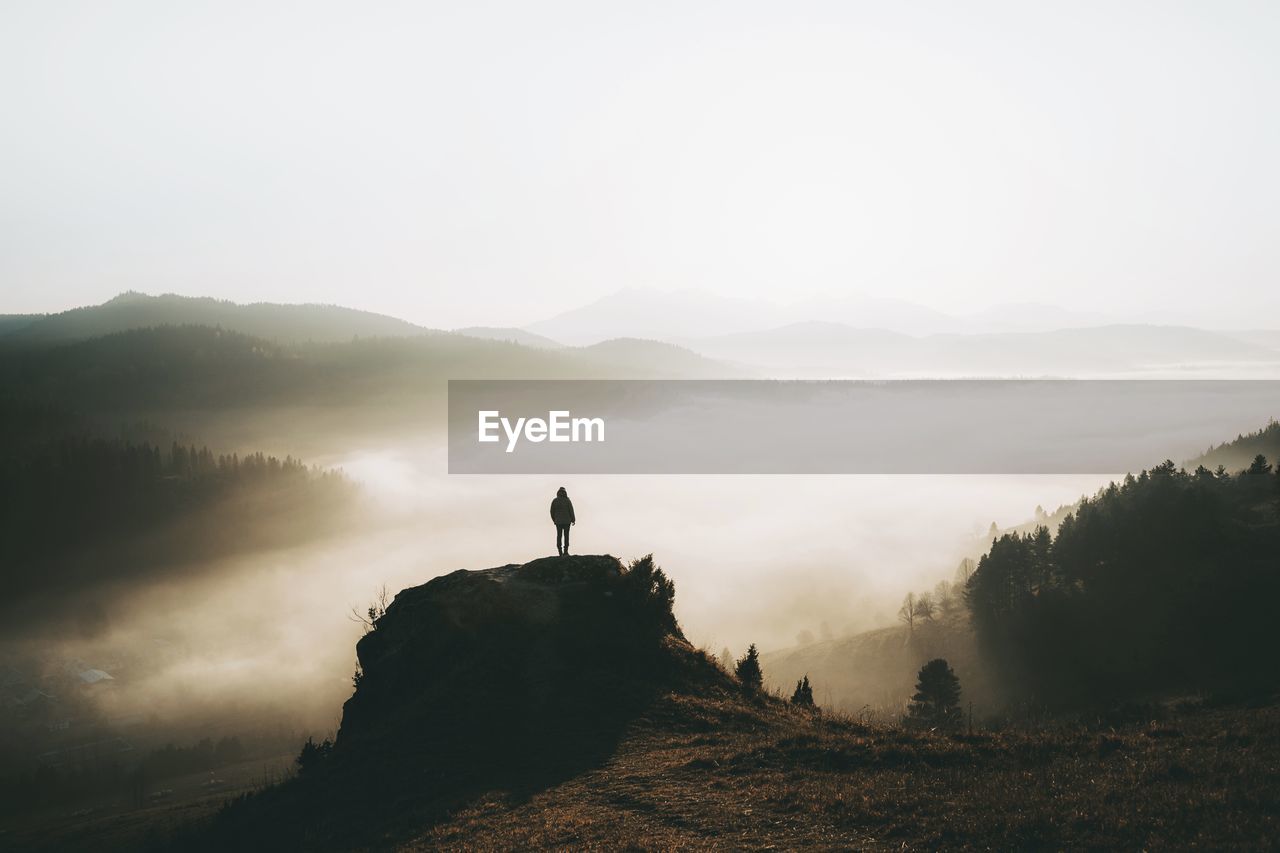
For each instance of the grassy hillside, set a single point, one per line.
(873, 673)
(556, 704)
(703, 774)
(713, 772)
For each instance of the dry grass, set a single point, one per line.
(709, 773)
(113, 822)
(715, 771)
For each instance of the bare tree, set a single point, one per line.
(944, 596)
(925, 607)
(373, 613)
(908, 612)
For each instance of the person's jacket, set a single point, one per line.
(562, 510)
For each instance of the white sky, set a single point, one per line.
(497, 162)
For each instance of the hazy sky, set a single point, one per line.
(496, 162)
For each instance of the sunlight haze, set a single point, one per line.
(497, 163)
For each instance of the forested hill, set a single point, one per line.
(1165, 582)
(1239, 453)
(1233, 456)
(14, 322)
(207, 367)
(79, 515)
(279, 323)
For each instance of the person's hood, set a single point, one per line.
(562, 493)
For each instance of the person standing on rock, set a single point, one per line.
(563, 518)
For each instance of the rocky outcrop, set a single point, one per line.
(493, 662)
(511, 679)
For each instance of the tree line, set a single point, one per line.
(1167, 580)
(82, 509)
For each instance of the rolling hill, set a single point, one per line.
(825, 349)
(676, 315)
(201, 367)
(682, 315)
(272, 322)
(651, 313)
(657, 358)
(509, 334)
(873, 671)
(812, 348)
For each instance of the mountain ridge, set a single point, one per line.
(814, 347)
(276, 322)
(650, 312)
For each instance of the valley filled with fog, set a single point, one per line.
(762, 560)
(926, 359)
(204, 499)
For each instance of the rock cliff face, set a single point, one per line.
(519, 659)
(501, 682)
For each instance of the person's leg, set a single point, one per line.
(566, 540)
(560, 537)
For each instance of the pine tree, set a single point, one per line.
(937, 698)
(748, 669)
(803, 696)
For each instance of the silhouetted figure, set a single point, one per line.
(563, 518)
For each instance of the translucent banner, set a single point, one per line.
(844, 427)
